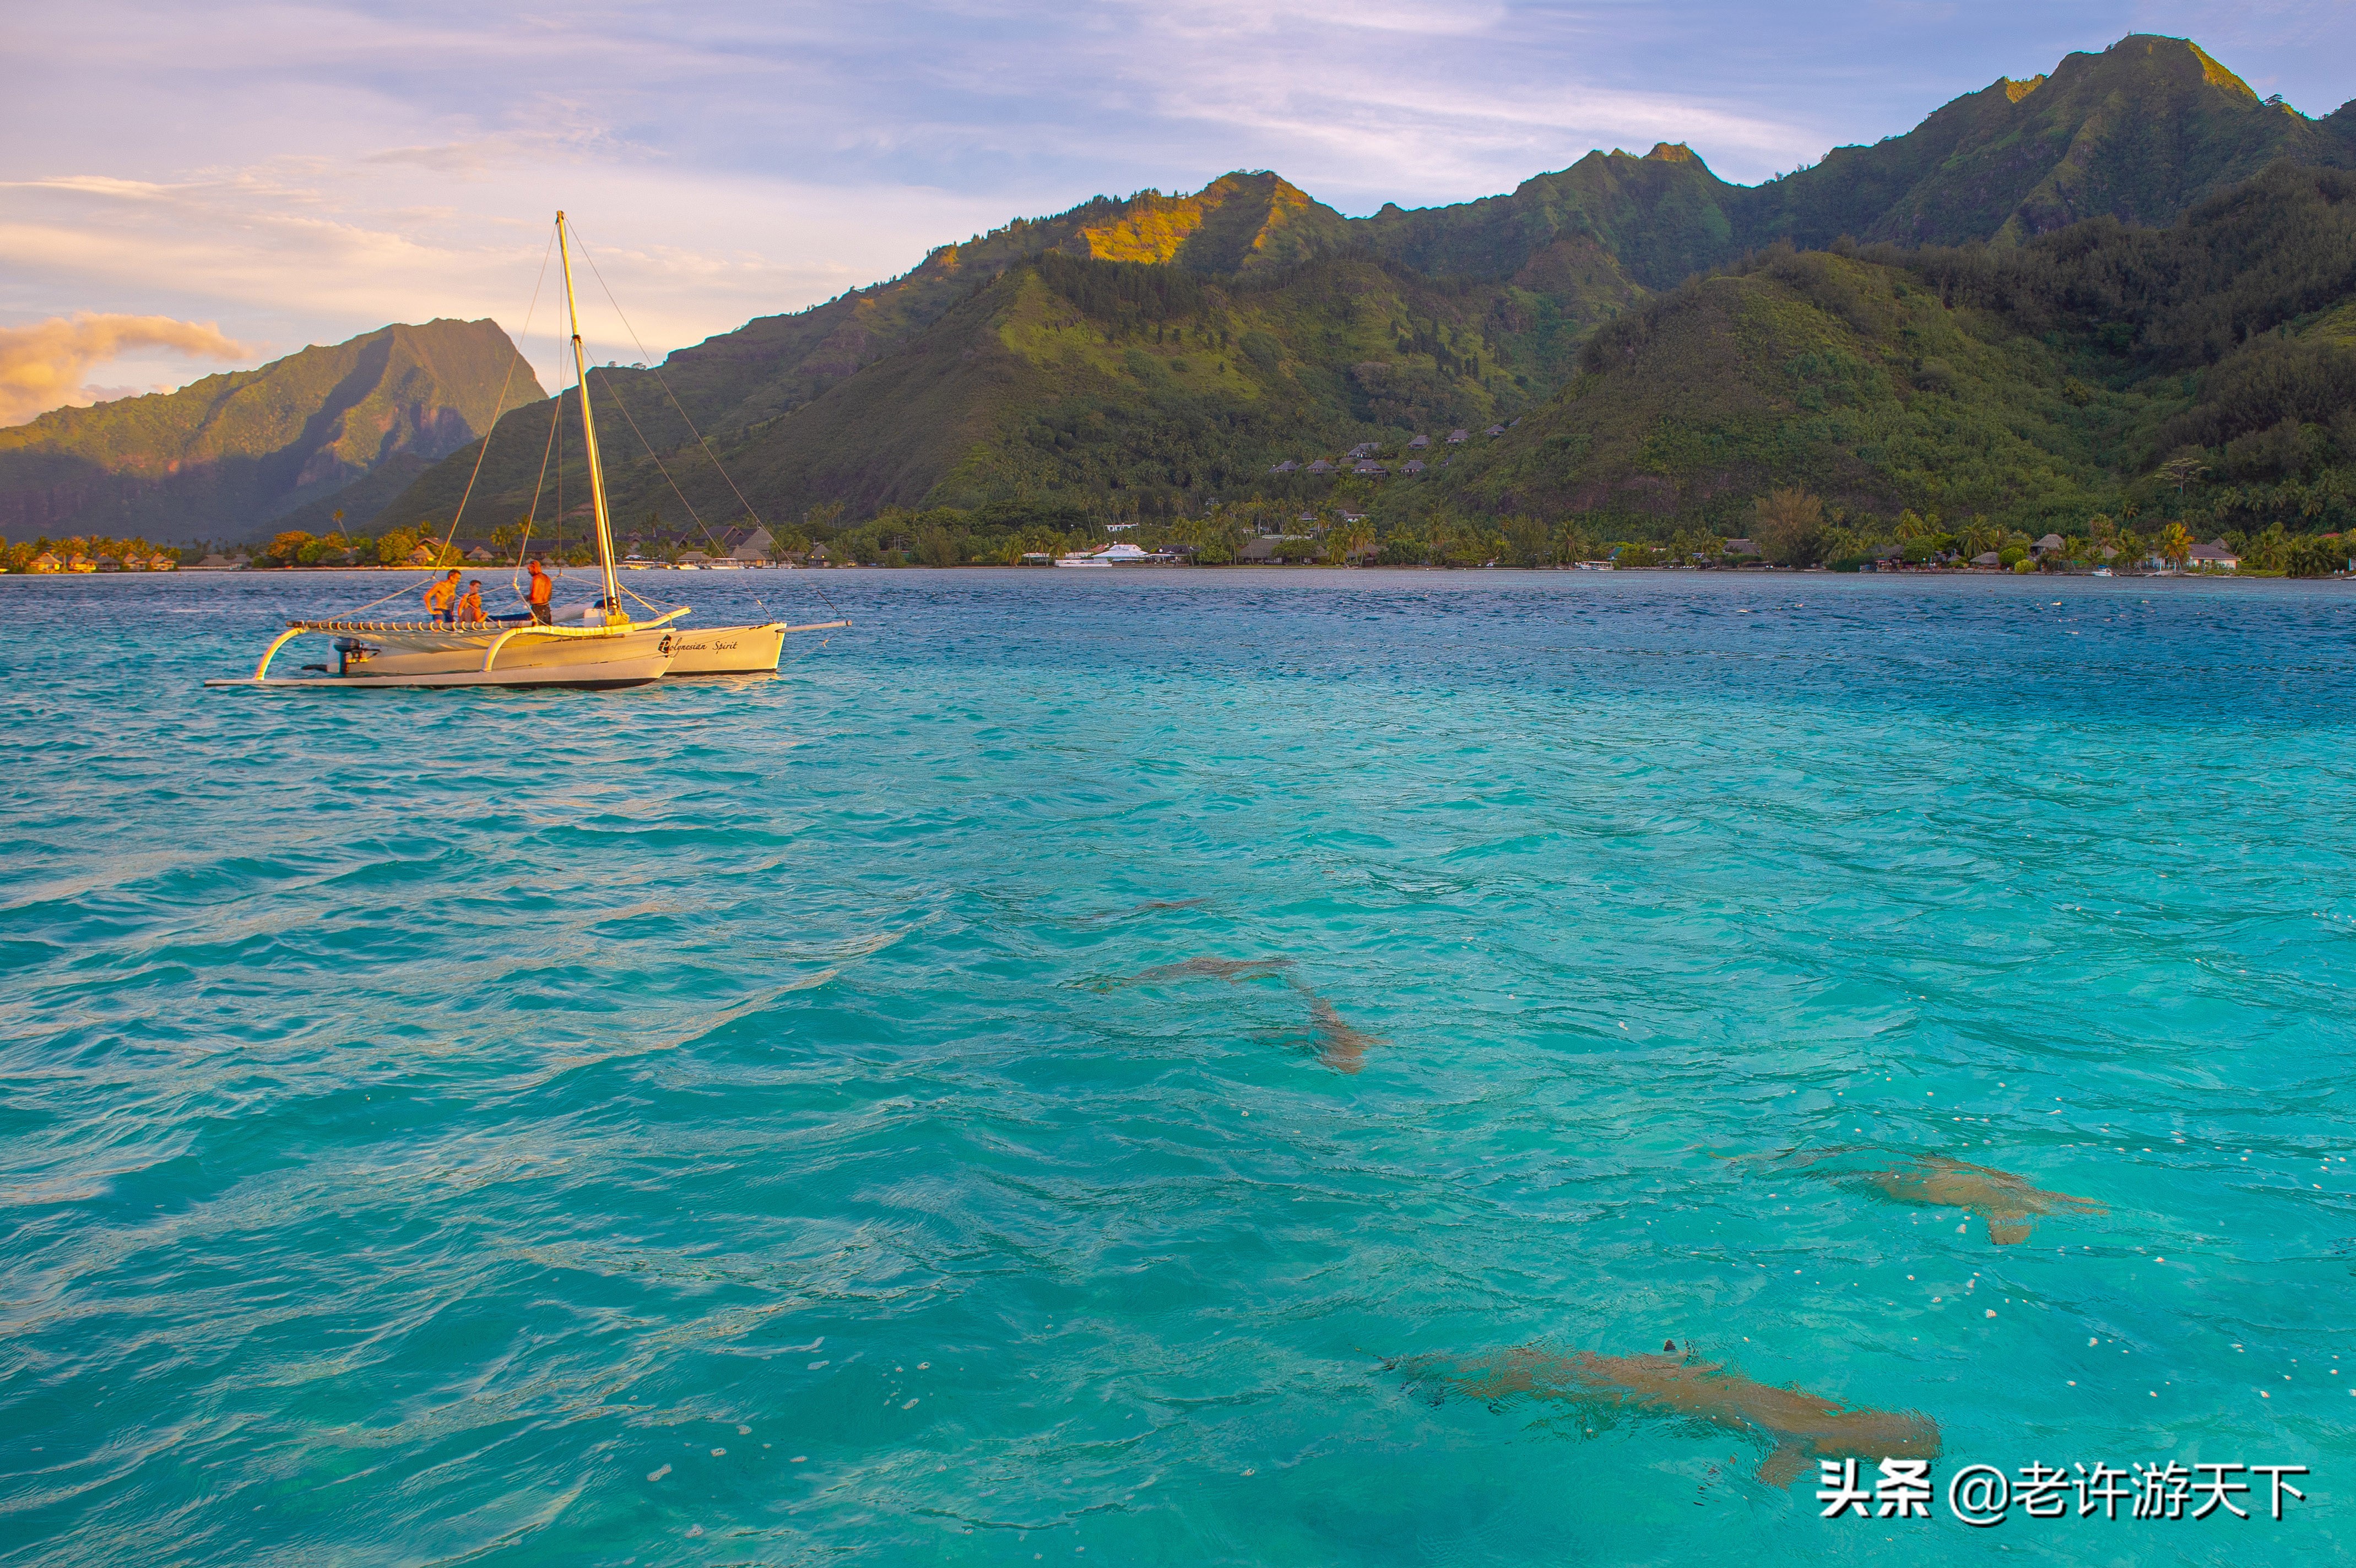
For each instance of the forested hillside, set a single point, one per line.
(229, 455)
(2032, 386)
(1150, 358)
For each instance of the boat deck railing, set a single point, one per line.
(425, 627)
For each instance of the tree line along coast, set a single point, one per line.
(1791, 529)
(2102, 319)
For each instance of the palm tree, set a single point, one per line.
(2175, 545)
(1348, 540)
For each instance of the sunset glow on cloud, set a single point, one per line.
(42, 366)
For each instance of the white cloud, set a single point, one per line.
(42, 366)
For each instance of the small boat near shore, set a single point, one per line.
(1121, 554)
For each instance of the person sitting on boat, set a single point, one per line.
(470, 604)
(537, 594)
(441, 594)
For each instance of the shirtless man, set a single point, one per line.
(537, 592)
(441, 595)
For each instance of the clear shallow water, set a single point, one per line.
(436, 1126)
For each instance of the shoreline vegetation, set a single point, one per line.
(1622, 559)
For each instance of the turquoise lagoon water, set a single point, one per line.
(702, 1125)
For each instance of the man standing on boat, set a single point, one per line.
(441, 595)
(537, 594)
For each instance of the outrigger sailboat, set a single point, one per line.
(594, 647)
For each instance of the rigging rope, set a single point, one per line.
(532, 514)
(500, 408)
(701, 440)
(616, 393)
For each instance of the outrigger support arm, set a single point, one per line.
(498, 643)
(261, 670)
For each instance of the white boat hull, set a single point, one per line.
(735, 650)
(605, 675)
(727, 650)
(413, 654)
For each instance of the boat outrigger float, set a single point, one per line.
(594, 648)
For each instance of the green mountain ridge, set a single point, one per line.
(1141, 358)
(2139, 133)
(2034, 385)
(227, 455)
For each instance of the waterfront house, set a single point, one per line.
(753, 544)
(2212, 557)
(1740, 546)
(1989, 559)
(45, 565)
(480, 554)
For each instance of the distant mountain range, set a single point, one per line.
(1139, 357)
(233, 456)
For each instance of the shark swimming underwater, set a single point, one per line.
(1339, 1046)
(2005, 1202)
(1229, 969)
(1151, 906)
(1800, 1428)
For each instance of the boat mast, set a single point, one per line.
(615, 614)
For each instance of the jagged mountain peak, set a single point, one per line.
(1238, 222)
(231, 451)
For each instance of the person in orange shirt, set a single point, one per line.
(469, 611)
(441, 594)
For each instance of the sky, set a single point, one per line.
(190, 188)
